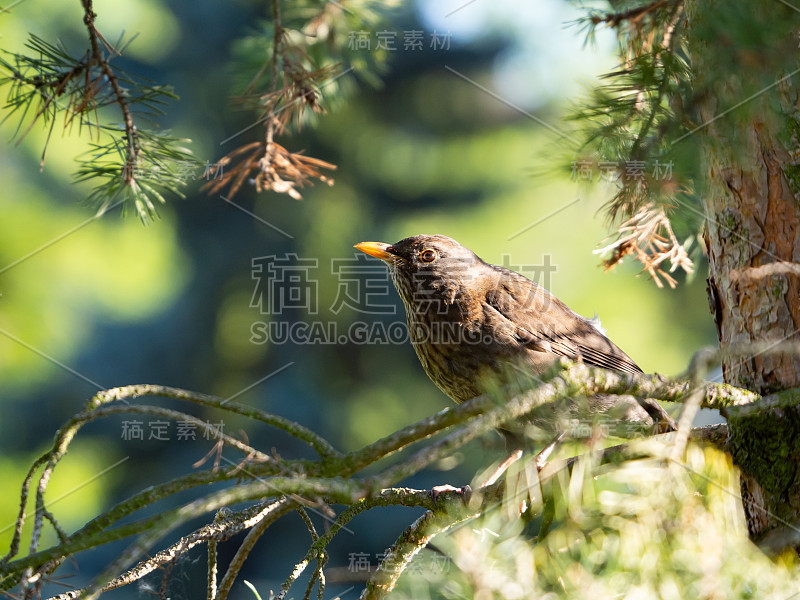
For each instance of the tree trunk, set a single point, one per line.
(748, 112)
(753, 240)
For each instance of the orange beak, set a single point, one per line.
(378, 250)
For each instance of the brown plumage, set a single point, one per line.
(475, 326)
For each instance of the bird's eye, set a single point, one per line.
(428, 256)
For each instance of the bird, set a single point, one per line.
(477, 327)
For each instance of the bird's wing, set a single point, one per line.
(543, 323)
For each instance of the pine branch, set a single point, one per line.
(311, 64)
(294, 86)
(97, 56)
(629, 124)
(127, 164)
(633, 15)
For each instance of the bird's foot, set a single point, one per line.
(464, 492)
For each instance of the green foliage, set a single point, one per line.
(691, 75)
(318, 46)
(127, 163)
(403, 172)
(110, 270)
(641, 529)
(253, 589)
(677, 76)
(287, 72)
(163, 166)
(636, 114)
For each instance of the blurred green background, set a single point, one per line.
(88, 303)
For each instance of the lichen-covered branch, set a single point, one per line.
(222, 529)
(329, 480)
(412, 540)
(256, 531)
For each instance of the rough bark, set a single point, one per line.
(753, 241)
(748, 113)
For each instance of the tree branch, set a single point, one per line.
(222, 529)
(329, 478)
(133, 150)
(633, 15)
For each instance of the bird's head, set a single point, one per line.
(431, 265)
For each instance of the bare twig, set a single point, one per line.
(413, 539)
(211, 580)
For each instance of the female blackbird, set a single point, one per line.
(477, 326)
